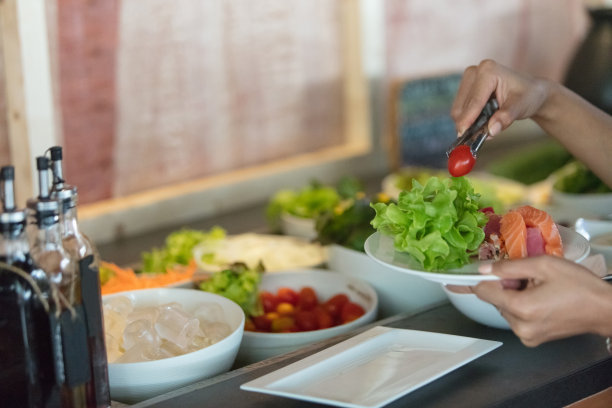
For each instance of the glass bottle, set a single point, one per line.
(79, 246)
(27, 377)
(75, 241)
(47, 251)
(47, 248)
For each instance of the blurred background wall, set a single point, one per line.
(152, 93)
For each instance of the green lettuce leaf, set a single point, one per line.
(438, 223)
(238, 283)
(178, 249)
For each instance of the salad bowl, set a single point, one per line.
(397, 292)
(257, 346)
(380, 248)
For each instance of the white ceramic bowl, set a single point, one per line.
(298, 226)
(478, 310)
(133, 382)
(594, 231)
(398, 292)
(258, 346)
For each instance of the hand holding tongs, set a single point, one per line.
(476, 134)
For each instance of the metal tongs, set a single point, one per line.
(476, 134)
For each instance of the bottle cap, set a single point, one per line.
(10, 214)
(56, 153)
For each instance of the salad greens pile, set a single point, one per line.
(438, 224)
(576, 178)
(348, 224)
(500, 196)
(178, 249)
(310, 201)
(237, 283)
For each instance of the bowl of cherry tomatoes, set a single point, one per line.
(305, 306)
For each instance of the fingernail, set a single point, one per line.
(459, 133)
(495, 128)
(485, 268)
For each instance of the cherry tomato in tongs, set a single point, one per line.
(463, 152)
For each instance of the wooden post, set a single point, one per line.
(356, 103)
(29, 96)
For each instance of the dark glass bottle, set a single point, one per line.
(79, 247)
(27, 378)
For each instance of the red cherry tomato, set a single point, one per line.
(282, 324)
(287, 295)
(249, 325)
(306, 320)
(268, 301)
(460, 161)
(307, 298)
(262, 323)
(334, 305)
(324, 319)
(351, 311)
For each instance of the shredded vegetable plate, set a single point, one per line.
(274, 251)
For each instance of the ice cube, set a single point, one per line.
(209, 312)
(113, 348)
(172, 305)
(114, 323)
(199, 342)
(216, 331)
(146, 313)
(169, 349)
(140, 331)
(120, 304)
(139, 352)
(176, 326)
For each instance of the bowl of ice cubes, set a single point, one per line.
(158, 340)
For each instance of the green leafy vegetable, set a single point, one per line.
(576, 178)
(350, 187)
(348, 224)
(178, 249)
(438, 224)
(491, 194)
(237, 283)
(308, 202)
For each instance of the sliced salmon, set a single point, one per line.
(514, 233)
(542, 220)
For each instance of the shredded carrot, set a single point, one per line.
(126, 279)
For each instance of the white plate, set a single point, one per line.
(591, 230)
(373, 368)
(380, 248)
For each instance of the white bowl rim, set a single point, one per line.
(594, 228)
(187, 356)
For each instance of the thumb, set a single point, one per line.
(525, 268)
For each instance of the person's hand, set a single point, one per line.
(519, 96)
(562, 298)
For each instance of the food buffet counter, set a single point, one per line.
(552, 375)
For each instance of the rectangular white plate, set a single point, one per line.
(373, 368)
